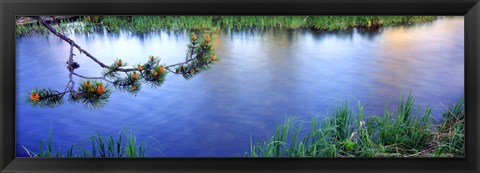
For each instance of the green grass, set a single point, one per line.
(143, 24)
(30, 28)
(408, 132)
(125, 145)
(450, 137)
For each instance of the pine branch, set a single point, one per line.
(85, 77)
(71, 68)
(92, 93)
(71, 42)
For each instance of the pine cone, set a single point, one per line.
(75, 65)
(212, 58)
(207, 39)
(161, 69)
(194, 37)
(134, 76)
(35, 97)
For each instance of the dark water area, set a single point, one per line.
(262, 78)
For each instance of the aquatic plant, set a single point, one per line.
(125, 145)
(93, 93)
(408, 132)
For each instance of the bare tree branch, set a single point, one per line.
(71, 42)
(71, 69)
(85, 77)
(68, 40)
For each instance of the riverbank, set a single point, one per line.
(143, 24)
(408, 132)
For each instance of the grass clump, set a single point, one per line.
(408, 132)
(125, 145)
(450, 137)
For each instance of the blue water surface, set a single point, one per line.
(262, 78)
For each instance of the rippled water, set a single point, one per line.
(262, 77)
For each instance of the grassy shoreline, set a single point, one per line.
(408, 132)
(144, 24)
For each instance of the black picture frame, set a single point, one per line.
(10, 8)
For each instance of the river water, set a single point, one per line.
(262, 78)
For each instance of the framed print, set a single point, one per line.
(239, 86)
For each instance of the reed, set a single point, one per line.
(408, 132)
(144, 24)
(101, 146)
